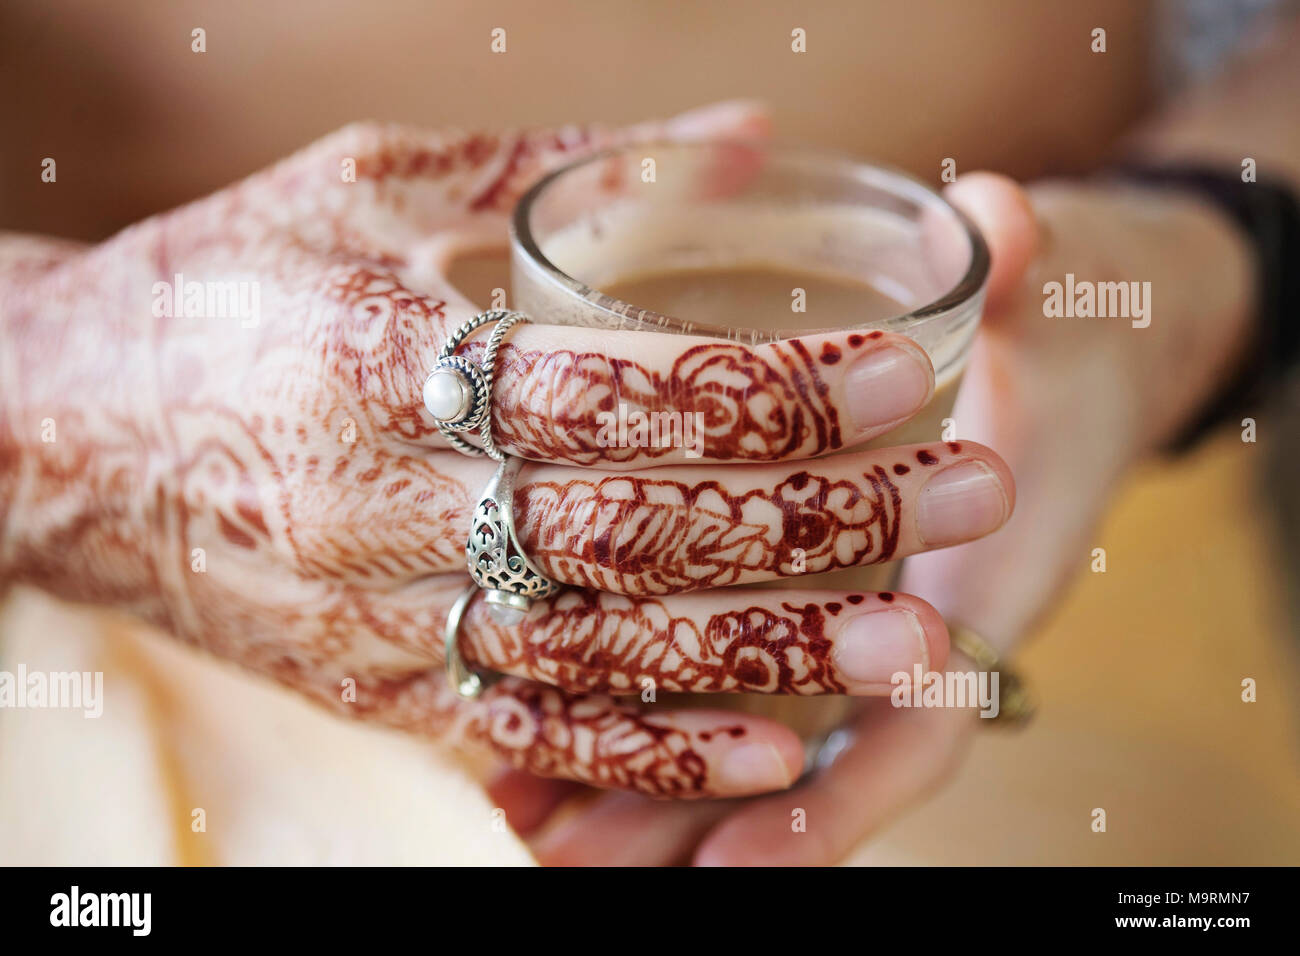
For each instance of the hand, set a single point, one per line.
(1073, 403)
(269, 487)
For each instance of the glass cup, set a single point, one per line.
(680, 211)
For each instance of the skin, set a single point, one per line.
(1072, 467)
(678, 532)
(718, 381)
(1073, 475)
(1020, 393)
(275, 493)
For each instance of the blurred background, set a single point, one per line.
(1139, 672)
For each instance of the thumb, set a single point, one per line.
(1002, 211)
(730, 119)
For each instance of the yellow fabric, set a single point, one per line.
(278, 779)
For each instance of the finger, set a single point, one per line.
(387, 188)
(595, 740)
(733, 136)
(665, 531)
(673, 529)
(698, 398)
(1003, 213)
(617, 397)
(729, 119)
(895, 758)
(626, 829)
(724, 641)
(529, 801)
(623, 399)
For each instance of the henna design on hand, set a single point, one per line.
(635, 535)
(595, 740)
(752, 407)
(178, 434)
(601, 741)
(602, 643)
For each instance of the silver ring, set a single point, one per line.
(458, 393)
(497, 562)
(823, 750)
(465, 682)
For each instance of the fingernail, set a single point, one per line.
(960, 503)
(874, 647)
(753, 767)
(885, 385)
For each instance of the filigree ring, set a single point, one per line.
(497, 561)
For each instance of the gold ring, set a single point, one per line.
(1015, 705)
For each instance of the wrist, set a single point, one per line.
(22, 427)
(23, 260)
(67, 488)
(1200, 267)
(1205, 268)
(10, 470)
(12, 454)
